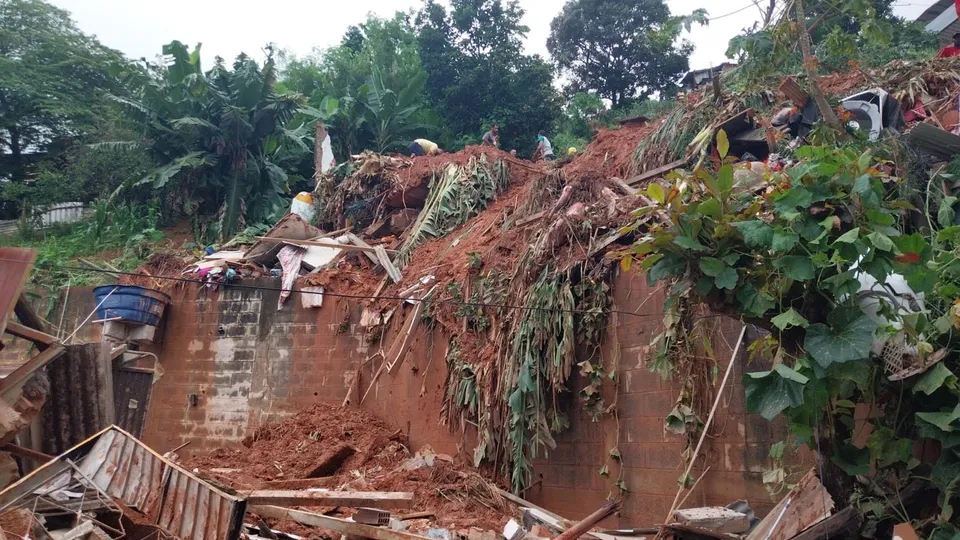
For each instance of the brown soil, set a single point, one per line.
(291, 449)
(159, 264)
(610, 153)
(16, 523)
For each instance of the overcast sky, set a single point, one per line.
(139, 28)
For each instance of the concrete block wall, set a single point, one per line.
(250, 364)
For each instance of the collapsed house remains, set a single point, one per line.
(445, 325)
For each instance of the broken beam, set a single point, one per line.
(321, 243)
(39, 457)
(24, 372)
(334, 524)
(42, 340)
(655, 172)
(353, 499)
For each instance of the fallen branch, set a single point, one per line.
(588, 523)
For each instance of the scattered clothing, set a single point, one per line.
(290, 259)
(948, 52)
(421, 147)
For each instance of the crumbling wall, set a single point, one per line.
(248, 363)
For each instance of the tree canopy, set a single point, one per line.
(52, 81)
(619, 49)
(478, 74)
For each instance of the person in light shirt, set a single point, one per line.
(423, 147)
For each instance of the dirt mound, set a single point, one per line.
(159, 264)
(610, 153)
(293, 449)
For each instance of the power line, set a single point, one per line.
(452, 301)
(744, 8)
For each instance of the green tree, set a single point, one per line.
(218, 134)
(618, 48)
(52, 81)
(478, 75)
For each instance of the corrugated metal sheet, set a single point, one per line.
(131, 390)
(188, 507)
(129, 471)
(72, 411)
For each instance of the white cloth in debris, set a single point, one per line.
(290, 260)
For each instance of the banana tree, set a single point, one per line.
(390, 116)
(218, 134)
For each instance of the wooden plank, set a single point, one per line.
(387, 264)
(840, 525)
(38, 457)
(24, 372)
(533, 218)
(27, 316)
(321, 243)
(41, 339)
(15, 265)
(301, 483)
(374, 499)
(399, 348)
(333, 524)
(933, 140)
(656, 172)
(792, 90)
(810, 503)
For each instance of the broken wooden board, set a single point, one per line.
(843, 524)
(354, 499)
(792, 90)
(387, 264)
(15, 265)
(40, 339)
(343, 526)
(291, 227)
(810, 503)
(399, 348)
(640, 178)
(935, 141)
(23, 373)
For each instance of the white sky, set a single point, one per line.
(139, 28)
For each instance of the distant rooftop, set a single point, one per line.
(941, 18)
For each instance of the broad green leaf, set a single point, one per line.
(854, 461)
(727, 279)
(711, 266)
(784, 239)
(849, 237)
(768, 393)
(845, 342)
(946, 472)
(756, 234)
(880, 241)
(655, 191)
(689, 243)
(936, 377)
(799, 171)
(711, 208)
(880, 218)
(793, 198)
(864, 162)
(671, 265)
(942, 420)
(946, 214)
(725, 180)
(796, 267)
(723, 143)
(752, 302)
(789, 319)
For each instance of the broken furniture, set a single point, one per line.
(105, 477)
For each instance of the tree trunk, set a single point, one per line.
(828, 114)
(16, 155)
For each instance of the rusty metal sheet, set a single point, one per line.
(129, 471)
(15, 265)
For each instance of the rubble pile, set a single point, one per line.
(357, 452)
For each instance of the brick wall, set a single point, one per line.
(249, 363)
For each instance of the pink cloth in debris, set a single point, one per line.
(290, 259)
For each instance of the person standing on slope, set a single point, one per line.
(544, 148)
(492, 137)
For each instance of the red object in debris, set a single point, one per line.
(908, 258)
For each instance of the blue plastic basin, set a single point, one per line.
(131, 304)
